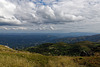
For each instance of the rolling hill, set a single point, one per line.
(13, 58)
(65, 49)
(22, 40)
(93, 38)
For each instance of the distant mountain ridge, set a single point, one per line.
(93, 38)
(72, 34)
(22, 40)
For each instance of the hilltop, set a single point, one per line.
(13, 58)
(65, 49)
(6, 49)
(85, 52)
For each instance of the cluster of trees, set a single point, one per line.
(76, 49)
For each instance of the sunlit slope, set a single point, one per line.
(13, 58)
(6, 49)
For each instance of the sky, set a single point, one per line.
(49, 16)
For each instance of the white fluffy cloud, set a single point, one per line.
(7, 11)
(30, 12)
(26, 11)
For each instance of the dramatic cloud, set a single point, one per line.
(7, 13)
(25, 13)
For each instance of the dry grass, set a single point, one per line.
(35, 60)
(13, 58)
(62, 61)
(93, 61)
(14, 61)
(6, 49)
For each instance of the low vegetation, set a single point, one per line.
(14, 58)
(52, 55)
(64, 49)
(93, 61)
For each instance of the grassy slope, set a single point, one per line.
(93, 61)
(13, 58)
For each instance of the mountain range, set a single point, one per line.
(22, 40)
(93, 38)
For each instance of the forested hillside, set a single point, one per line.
(56, 49)
(80, 54)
